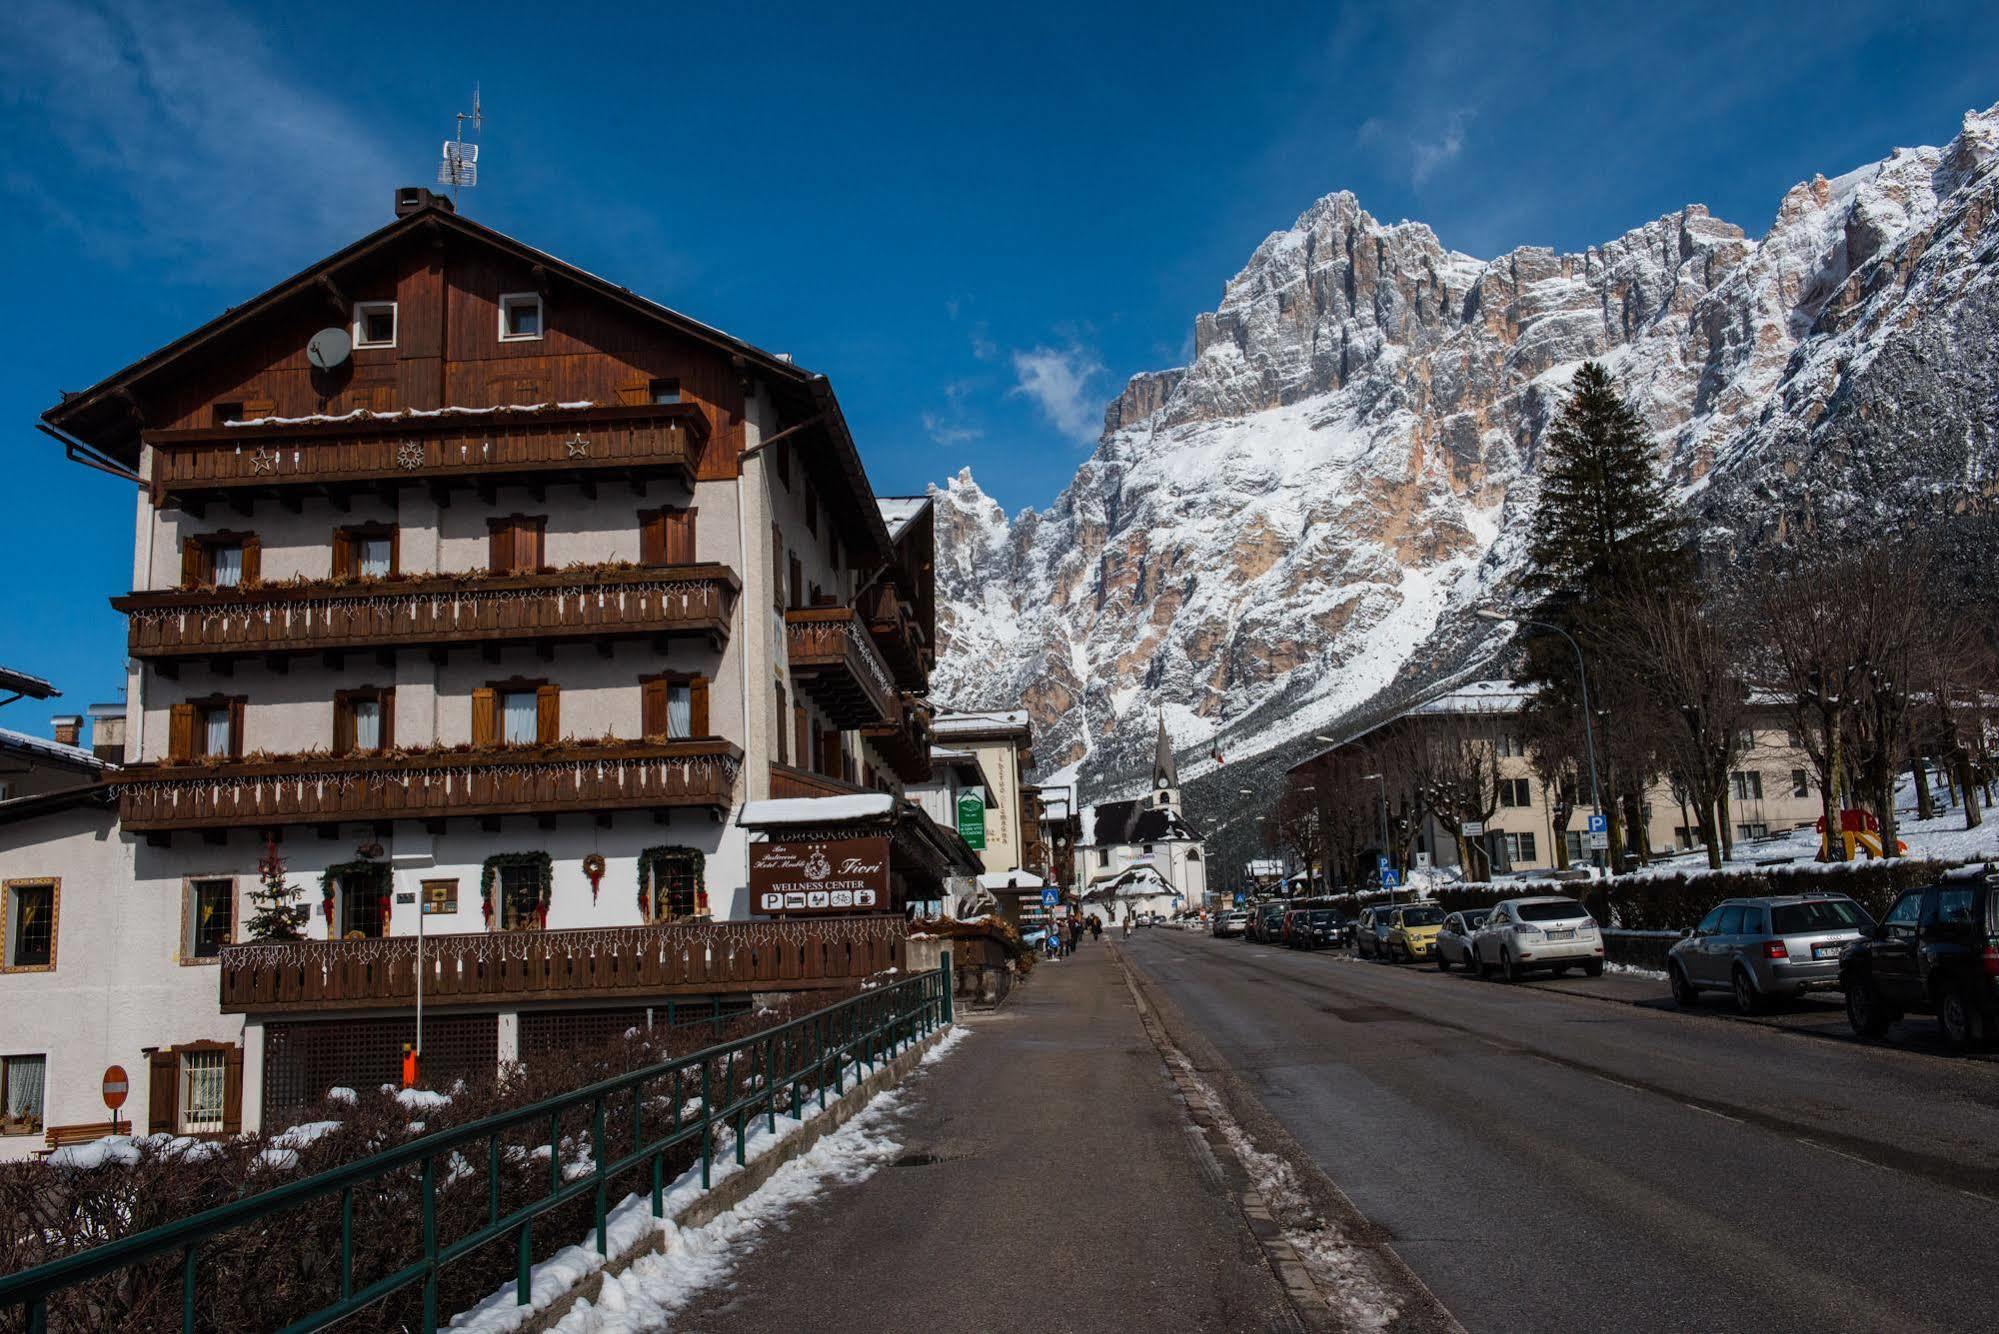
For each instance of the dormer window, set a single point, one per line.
(520, 317)
(375, 324)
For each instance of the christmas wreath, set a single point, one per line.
(650, 862)
(329, 880)
(489, 875)
(593, 866)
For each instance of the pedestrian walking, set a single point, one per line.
(1096, 928)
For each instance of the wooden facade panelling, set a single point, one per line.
(834, 660)
(524, 967)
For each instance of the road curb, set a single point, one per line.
(1313, 1305)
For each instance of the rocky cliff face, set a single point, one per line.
(1309, 511)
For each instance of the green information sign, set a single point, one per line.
(972, 818)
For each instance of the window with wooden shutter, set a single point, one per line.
(232, 1090)
(253, 558)
(632, 393)
(366, 551)
(783, 731)
(485, 717)
(515, 543)
(343, 553)
(238, 706)
(652, 707)
(652, 537)
(679, 536)
(777, 567)
(547, 714)
(180, 732)
(163, 1092)
(697, 707)
(192, 567)
(364, 720)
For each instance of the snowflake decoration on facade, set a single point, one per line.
(409, 456)
(576, 447)
(265, 460)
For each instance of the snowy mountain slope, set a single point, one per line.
(1307, 512)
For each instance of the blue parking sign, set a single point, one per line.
(1599, 824)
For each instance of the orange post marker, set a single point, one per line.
(409, 1066)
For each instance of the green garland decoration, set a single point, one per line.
(648, 875)
(489, 872)
(331, 876)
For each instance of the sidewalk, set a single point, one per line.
(1048, 1181)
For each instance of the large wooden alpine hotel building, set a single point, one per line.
(476, 587)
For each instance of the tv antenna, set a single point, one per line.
(460, 166)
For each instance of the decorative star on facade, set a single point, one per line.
(409, 456)
(265, 460)
(577, 447)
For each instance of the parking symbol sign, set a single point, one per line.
(1599, 824)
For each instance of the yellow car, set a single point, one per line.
(1412, 932)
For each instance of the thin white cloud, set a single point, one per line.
(1424, 155)
(945, 431)
(147, 120)
(1059, 381)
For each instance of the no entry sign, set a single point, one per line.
(116, 1086)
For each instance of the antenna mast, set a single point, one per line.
(460, 166)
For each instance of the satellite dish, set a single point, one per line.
(328, 348)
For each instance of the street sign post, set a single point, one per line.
(1599, 833)
(1390, 880)
(1050, 897)
(116, 1089)
(1474, 828)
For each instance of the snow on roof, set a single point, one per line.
(899, 511)
(816, 810)
(969, 723)
(405, 414)
(12, 740)
(950, 756)
(1479, 697)
(1010, 880)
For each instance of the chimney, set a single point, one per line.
(411, 198)
(107, 732)
(69, 728)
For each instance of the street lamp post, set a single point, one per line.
(1582, 675)
(1382, 778)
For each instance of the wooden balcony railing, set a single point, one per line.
(904, 741)
(444, 450)
(786, 781)
(897, 637)
(834, 660)
(433, 785)
(431, 610)
(595, 963)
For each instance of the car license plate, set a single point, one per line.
(1830, 949)
(1568, 934)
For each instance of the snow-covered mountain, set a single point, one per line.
(1308, 512)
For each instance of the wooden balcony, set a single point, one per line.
(905, 741)
(430, 785)
(509, 968)
(446, 451)
(897, 637)
(436, 611)
(834, 661)
(786, 781)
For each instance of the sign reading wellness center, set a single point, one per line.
(972, 819)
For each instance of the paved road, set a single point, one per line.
(1553, 1162)
(1048, 1181)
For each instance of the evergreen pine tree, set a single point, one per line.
(278, 914)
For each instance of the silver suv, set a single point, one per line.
(1764, 949)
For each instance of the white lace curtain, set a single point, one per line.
(25, 1075)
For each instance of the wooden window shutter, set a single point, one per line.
(485, 716)
(801, 727)
(163, 1092)
(652, 537)
(388, 724)
(783, 730)
(232, 1090)
(635, 392)
(237, 707)
(652, 708)
(192, 561)
(253, 559)
(343, 554)
(547, 714)
(529, 553)
(500, 550)
(180, 732)
(776, 567)
(697, 707)
(830, 753)
(343, 722)
(679, 536)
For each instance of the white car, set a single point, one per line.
(1540, 932)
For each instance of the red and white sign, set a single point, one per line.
(841, 875)
(116, 1087)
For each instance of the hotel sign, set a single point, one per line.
(972, 818)
(840, 875)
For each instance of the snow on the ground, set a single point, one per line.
(1335, 1263)
(656, 1286)
(283, 1152)
(127, 1149)
(417, 1098)
(1943, 837)
(1633, 970)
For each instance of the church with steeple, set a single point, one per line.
(1143, 856)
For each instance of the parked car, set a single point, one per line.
(1287, 929)
(1454, 939)
(1371, 931)
(1230, 923)
(1936, 952)
(1543, 931)
(1412, 931)
(1764, 949)
(1314, 928)
(1268, 921)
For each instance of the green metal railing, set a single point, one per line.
(728, 1086)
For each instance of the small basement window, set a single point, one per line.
(520, 317)
(374, 324)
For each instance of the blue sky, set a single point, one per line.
(978, 222)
